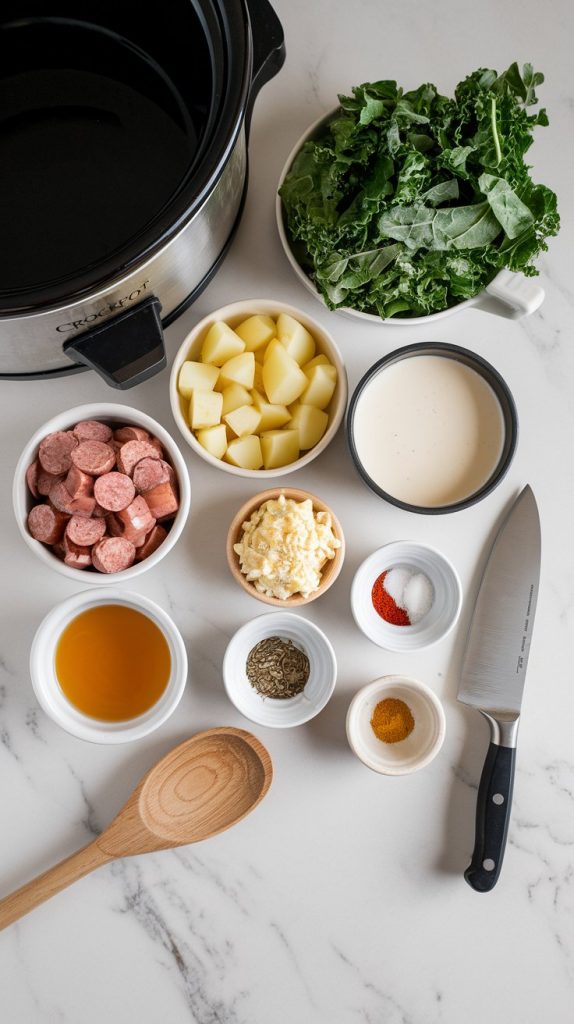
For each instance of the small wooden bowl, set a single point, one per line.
(331, 569)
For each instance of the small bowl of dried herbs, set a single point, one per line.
(279, 670)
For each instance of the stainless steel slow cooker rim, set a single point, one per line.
(182, 206)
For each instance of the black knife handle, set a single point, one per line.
(492, 817)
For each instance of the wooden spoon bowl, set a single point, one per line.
(202, 787)
(330, 570)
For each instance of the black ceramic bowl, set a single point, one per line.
(489, 374)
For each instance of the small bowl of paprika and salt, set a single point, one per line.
(279, 670)
(395, 725)
(101, 489)
(406, 596)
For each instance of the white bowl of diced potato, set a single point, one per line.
(258, 388)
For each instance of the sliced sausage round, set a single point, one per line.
(46, 481)
(78, 482)
(115, 528)
(85, 532)
(133, 452)
(94, 457)
(77, 556)
(113, 554)
(152, 542)
(55, 451)
(114, 491)
(46, 524)
(156, 443)
(61, 498)
(32, 478)
(124, 434)
(162, 500)
(92, 430)
(136, 520)
(149, 473)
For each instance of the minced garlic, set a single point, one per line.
(284, 546)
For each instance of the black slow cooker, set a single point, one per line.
(123, 169)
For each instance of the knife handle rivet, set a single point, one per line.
(488, 864)
(498, 799)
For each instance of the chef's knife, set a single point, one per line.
(493, 674)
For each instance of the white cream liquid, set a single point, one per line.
(429, 430)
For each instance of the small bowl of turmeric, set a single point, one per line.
(395, 725)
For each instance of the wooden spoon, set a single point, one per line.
(200, 788)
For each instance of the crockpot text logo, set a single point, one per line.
(112, 307)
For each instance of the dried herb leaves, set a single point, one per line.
(277, 668)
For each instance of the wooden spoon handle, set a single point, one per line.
(50, 882)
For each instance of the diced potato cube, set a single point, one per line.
(320, 360)
(196, 376)
(311, 424)
(234, 395)
(239, 370)
(244, 420)
(273, 344)
(221, 344)
(256, 331)
(258, 378)
(245, 452)
(283, 379)
(279, 447)
(328, 370)
(272, 416)
(319, 391)
(214, 439)
(296, 338)
(205, 409)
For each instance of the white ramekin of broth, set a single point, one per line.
(53, 700)
(114, 414)
(499, 396)
(233, 315)
(508, 295)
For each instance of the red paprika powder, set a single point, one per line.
(386, 606)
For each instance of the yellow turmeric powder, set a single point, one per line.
(392, 720)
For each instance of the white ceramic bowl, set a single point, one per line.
(110, 412)
(435, 624)
(233, 315)
(280, 714)
(509, 295)
(410, 754)
(50, 695)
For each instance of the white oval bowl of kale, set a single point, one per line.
(409, 207)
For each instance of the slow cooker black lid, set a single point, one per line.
(225, 38)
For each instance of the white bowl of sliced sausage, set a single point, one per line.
(101, 490)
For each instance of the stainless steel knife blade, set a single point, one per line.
(498, 645)
(493, 674)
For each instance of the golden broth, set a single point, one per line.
(112, 663)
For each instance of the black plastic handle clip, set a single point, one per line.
(268, 49)
(126, 349)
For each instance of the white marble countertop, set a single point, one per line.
(341, 899)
